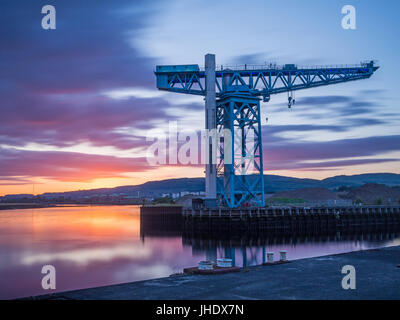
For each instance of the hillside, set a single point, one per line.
(309, 194)
(389, 179)
(273, 183)
(373, 193)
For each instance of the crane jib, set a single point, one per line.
(190, 79)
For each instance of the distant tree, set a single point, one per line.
(164, 200)
(358, 201)
(286, 200)
(344, 188)
(378, 202)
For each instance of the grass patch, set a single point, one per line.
(286, 200)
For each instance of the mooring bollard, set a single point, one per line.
(205, 265)
(224, 263)
(283, 255)
(270, 257)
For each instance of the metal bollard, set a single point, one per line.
(205, 265)
(283, 255)
(224, 263)
(270, 257)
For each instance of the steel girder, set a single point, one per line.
(240, 164)
(262, 82)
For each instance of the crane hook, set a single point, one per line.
(291, 99)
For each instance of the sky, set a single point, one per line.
(78, 102)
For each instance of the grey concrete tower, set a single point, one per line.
(210, 105)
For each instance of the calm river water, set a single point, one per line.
(101, 245)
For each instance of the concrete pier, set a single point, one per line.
(291, 219)
(377, 277)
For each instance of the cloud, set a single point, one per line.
(340, 106)
(14, 181)
(253, 58)
(260, 58)
(52, 82)
(347, 113)
(328, 100)
(64, 121)
(88, 50)
(65, 166)
(293, 155)
(345, 125)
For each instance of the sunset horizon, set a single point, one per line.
(36, 188)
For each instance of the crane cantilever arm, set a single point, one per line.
(189, 79)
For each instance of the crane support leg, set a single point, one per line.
(240, 168)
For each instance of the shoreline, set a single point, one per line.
(377, 277)
(18, 206)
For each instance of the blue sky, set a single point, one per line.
(77, 101)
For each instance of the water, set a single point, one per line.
(103, 245)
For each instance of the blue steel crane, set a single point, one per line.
(232, 101)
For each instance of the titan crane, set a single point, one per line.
(232, 101)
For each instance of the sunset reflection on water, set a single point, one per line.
(93, 246)
(89, 246)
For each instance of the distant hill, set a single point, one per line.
(373, 193)
(389, 179)
(309, 194)
(273, 183)
(146, 189)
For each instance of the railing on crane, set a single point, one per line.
(275, 66)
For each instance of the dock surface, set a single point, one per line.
(377, 277)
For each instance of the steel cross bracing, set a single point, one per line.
(234, 104)
(241, 115)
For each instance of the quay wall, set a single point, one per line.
(273, 219)
(293, 219)
(161, 220)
